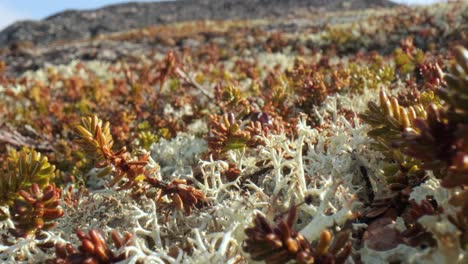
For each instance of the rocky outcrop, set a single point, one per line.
(72, 24)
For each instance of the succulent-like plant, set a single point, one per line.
(228, 134)
(309, 85)
(389, 121)
(146, 139)
(231, 98)
(278, 244)
(436, 139)
(35, 210)
(98, 141)
(440, 140)
(24, 168)
(429, 75)
(390, 206)
(407, 57)
(93, 249)
(95, 137)
(381, 236)
(282, 243)
(456, 95)
(183, 196)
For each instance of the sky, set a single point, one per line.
(13, 10)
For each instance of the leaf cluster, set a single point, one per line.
(96, 140)
(435, 139)
(23, 169)
(280, 243)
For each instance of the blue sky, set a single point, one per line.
(12, 10)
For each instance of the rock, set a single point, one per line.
(73, 24)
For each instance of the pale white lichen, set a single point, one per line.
(430, 188)
(178, 155)
(216, 247)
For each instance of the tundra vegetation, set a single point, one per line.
(337, 143)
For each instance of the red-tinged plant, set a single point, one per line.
(23, 169)
(276, 42)
(183, 196)
(415, 234)
(277, 244)
(165, 69)
(382, 236)
(230, 99)
(438, 139)
(389, 121)
(227, 133)
(390, 206)
(232, 173)
(308, 82)
(407, 57)
(278, 96)
(35, 210)
(280, 243)
(72, 198)
(93, 249)
(429, 75)
(95, 139)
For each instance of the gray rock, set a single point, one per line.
(73, 24)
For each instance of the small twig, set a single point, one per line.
(191, 81)
(369, 189)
